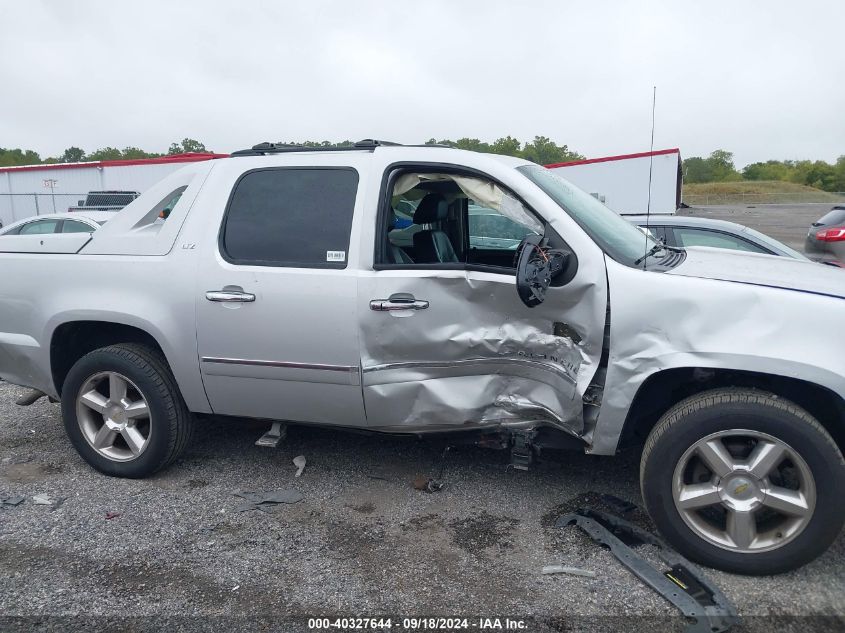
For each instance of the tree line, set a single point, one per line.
(541, 150)
(13, 157)
(719, 167)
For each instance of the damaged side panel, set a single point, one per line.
(476, 357)
(665, 324)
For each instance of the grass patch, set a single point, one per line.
(754, 192)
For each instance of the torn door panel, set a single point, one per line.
(476, 357)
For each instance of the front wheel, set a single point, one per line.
(743, 481)
(123, 411)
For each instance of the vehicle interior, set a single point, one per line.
(443, 219)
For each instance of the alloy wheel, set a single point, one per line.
(114, 416)
(744, 491)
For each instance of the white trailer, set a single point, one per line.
(622, 182)
(30, 190)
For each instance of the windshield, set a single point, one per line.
(617, 237)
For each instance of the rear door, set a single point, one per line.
(276, 315)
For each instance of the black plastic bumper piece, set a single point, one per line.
(682, 584)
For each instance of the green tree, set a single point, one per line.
(770, 170)
(722, 164)
(105, 153)
(839, 174)
(718, 167)
(697, 169)
(72, 155)
(12, 157)
(472, 144)
(543, 151)
(135, 153)
(507, 146)
(186, 146)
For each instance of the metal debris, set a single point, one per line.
(10, 501)
(572, 571)
(299, 462)
(266, 501)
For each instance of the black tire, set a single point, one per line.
(725, 409)
(170, 421)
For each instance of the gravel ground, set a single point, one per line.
(362, 542)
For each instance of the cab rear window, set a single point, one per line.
(296, 217)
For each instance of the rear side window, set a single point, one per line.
(297, 217)
(702, 237)
(835, 217)
(39, 227)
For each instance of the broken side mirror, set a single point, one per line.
(536, 266)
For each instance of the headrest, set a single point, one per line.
(431, 209)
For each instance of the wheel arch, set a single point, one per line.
(663, 389)
(71, 340)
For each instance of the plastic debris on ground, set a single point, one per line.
(299, 462)
(267, 501)
(42, 500)
(572, 571)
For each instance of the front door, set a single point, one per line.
(276, 324)
(446, 341)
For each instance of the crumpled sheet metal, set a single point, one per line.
(684, 322)
(491, 361)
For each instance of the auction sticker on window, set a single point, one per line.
(335, 256)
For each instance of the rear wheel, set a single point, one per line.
(123, 412)
(743, 481)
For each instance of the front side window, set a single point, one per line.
(39, 227)
(298, 217)
(686, 236)
(454, 219)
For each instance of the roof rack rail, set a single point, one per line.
(262, 149)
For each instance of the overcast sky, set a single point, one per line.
(763, 79)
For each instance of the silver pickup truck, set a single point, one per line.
(349, 288)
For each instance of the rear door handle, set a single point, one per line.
(229, 296)
(398, 301)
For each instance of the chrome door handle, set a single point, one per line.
(398, 301)
(229, 296)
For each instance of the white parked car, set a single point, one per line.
(59, 223)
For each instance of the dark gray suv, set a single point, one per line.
(826, 238)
